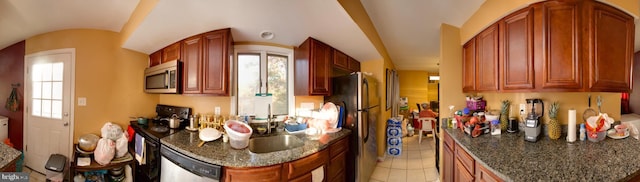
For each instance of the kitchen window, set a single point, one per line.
(263, 69)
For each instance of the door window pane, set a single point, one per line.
(46, 71)
(277, 79)
(36, 90)
(46, 108)
(56, 90)
(36, 73)
(37, 107)
(248, 81)
(46, 90)
(46, 93)
(58, 69)
(56, 109)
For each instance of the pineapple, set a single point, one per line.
(504, 114)
(553, 127)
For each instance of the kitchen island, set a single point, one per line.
(8, 158)
(509, 157)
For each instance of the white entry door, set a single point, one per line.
(48, 101)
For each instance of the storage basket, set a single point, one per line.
(476, 105)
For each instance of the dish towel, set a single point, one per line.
(140, 148)
(317, 175)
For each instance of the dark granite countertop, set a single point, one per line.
(8, 155)
(220, 153)
(513, 159)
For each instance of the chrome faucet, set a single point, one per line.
(269, 119)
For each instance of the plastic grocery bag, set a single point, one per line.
(105, 151)
(121, 145)
(111, 131)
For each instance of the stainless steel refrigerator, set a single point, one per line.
(358, 95)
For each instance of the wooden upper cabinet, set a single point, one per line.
(487, 59)
(206, 59)
(191, 64)
(469, 66)
(340, 59)
(218, 47)
(561, 65)
(171, 52)
(155, 58)
(516, 33)
(611, 41)
(312, 68)
(354, 65)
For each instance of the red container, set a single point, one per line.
(477, 105)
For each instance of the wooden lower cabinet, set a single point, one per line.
(448, 164)
(332, 158)
(336, 168)
(484, 175)
(270, 173)
(304, 178)
(458, 165)
(461, 173)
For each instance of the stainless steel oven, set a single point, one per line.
(162, 78)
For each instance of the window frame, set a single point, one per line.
(263, 51)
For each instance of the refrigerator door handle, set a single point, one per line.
(365, 110)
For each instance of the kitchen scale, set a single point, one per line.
(532, 124)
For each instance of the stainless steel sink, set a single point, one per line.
(274, 143)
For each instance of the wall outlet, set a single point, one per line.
(523, 107)
(82, 101)
(216, 110)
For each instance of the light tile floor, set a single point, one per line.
(34, 176)
(416, 164)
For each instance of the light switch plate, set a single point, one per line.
(82, 101)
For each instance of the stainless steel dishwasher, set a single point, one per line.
(176, 166)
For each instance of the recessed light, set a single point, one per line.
(267, 34)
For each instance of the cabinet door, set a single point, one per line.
(307, 164)
(517, 70)
(271, 173)
(192, 62)
(447, 164)
(304, 178)
(484, 175)
(155, 58)
(336, 166)
(354, 65)
(320, 68)
(487, 61)
(611, 40)
(561, 65)
(469, 66)
(461, 174)
(340, 60)
(171, 52)
(216, 63)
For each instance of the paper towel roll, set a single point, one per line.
(571, 128)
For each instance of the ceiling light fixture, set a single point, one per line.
(267, 34)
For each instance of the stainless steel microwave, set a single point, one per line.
(162, 78)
